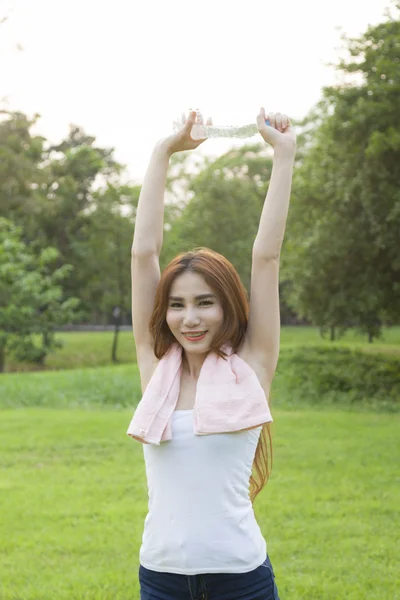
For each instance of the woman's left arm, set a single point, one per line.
(263, 331)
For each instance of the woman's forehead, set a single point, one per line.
(190, 284)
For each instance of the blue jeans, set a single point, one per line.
(254, 585)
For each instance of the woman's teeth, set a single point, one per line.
(194, 334)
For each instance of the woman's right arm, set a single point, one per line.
(146, 248)
(148, 235)
(149, 225)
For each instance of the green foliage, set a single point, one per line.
(340, 254)
(309, 373)
(53, 193)
(103, 252)
(92, 349)
(31, 297)
(340, 264)
(326, 376)
(21, 177)
(82, 349)
(223, 212)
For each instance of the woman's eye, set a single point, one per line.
(178, 304)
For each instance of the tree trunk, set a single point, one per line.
(2, 358)
(332, 334)
(117, 321)
(45, 345)
(115, 342)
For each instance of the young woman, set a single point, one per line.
(207, 358)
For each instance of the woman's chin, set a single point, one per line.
(200, 349)
(196, 347)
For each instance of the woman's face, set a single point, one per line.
(194, 308)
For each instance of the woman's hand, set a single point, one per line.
(190, 136)
(279, 132)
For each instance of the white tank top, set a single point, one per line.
(200, 517)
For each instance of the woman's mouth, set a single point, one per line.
(195, 336)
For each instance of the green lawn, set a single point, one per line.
(73, 502)
(94, 349)
(73, 491)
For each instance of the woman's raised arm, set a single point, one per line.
(146, 248)
(149, 226)
(148, 235)
(263, 331)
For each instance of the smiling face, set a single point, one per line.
(194, 308)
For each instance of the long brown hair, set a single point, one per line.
(223, 278)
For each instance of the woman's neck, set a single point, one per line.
(192, 363)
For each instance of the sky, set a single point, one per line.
(124, 70)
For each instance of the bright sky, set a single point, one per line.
(123, 70)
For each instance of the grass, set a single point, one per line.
(83, 349)
(112, 387)
(73, 495)
(73, 501)
(306, 377)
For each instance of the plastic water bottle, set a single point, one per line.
(226, 131)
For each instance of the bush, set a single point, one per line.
(320, 375)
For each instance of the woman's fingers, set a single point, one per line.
(199, 117)
(191, 118)
(271, 119)
(195, 117)
(261, 119)
(278, 121)
(275, 128)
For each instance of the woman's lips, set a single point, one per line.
(192, 338)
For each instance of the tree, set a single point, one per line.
(223, 212)
(21, 178)
(74, 168)
(52, 193)
(341, 249)
(105, 249)
(31, 298)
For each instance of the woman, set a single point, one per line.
(207, 359)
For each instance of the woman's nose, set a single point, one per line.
(190, 317)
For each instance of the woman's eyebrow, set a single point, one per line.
(200, 297)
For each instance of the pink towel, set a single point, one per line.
(229, 398)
